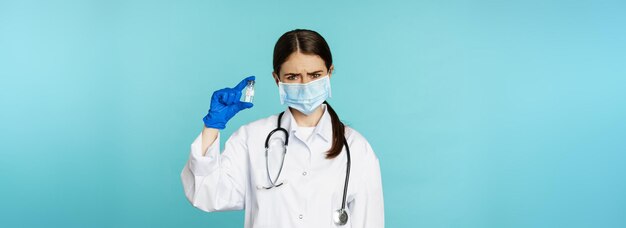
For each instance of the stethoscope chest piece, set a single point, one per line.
(340, 217)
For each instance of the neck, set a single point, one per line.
(307, 120)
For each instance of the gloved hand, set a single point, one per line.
(225, 104)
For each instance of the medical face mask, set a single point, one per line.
(305, 97)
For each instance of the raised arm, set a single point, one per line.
(214, 181)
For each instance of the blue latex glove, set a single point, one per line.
(225, 104)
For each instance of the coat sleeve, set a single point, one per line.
(217, 182)
(367, 209)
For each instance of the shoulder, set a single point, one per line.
(360, 148)
(365, 162)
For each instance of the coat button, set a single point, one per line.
(300, 216)
(304, 173)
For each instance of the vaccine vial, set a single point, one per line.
(249, 91)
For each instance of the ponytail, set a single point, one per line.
(338, 134)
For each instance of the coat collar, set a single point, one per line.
(324, 127)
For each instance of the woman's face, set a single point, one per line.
(302, 68)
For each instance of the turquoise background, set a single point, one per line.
(482, 113)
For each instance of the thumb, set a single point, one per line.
(244, 105)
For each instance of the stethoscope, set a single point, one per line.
(340, 216)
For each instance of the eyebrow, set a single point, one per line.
(314, 72)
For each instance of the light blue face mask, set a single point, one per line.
(305, 97)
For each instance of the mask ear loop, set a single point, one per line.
(330, 94)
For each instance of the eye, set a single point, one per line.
(316, 75)
(292, 77)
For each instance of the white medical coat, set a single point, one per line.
(313, 185)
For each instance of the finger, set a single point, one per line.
(223, 98)
(243, 83)
(216, 95)
(226, 98)
(231, 98)
(237, 96)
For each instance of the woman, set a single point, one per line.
(325, 176)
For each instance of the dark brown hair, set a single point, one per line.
(310, 42)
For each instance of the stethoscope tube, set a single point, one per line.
(267, 164)
(340, 217)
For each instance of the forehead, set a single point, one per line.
(301, 63)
